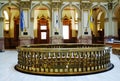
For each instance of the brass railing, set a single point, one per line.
(63, 59)
(116, 51)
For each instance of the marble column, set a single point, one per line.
(31, 29)
(111, 28)
(27, 34)
(56, 36)
(1, 34)
(79, 30)
(114, 27)
(106, 30)
(85, 36)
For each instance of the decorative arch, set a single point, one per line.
(116, 18)
(32, 10)
(38, 22)
(102, 7)
(73, 5)
(10, 26)
(43, 30)
(4, 5)
(73, 25)
(99, 15)
(116, 8)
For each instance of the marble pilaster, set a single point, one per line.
(1, 34)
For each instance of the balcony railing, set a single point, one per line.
(63, 59)
(116, 51)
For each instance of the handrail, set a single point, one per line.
(116, 51)
(63, 59)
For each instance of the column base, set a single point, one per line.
(56, 39)
(1, 44)
(25, 41)
(85, 39)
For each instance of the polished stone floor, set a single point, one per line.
(8, 60)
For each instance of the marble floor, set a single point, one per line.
(8, 60)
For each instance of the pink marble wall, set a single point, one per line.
(25, 41)
(85, 39)
(56, 39)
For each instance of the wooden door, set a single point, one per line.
(67, 29)
(43, 31)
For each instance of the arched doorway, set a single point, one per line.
(43, 30)
(98, 29)
(11, 26)
(70, 24)
(41, 24)
(67, 35)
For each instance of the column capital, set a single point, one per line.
(86, 5)
(25, 4)
(56, 3)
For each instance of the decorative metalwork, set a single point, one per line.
(63, 59)
(116, 51)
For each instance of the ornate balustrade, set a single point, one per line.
(63, 59)
(116, 51)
